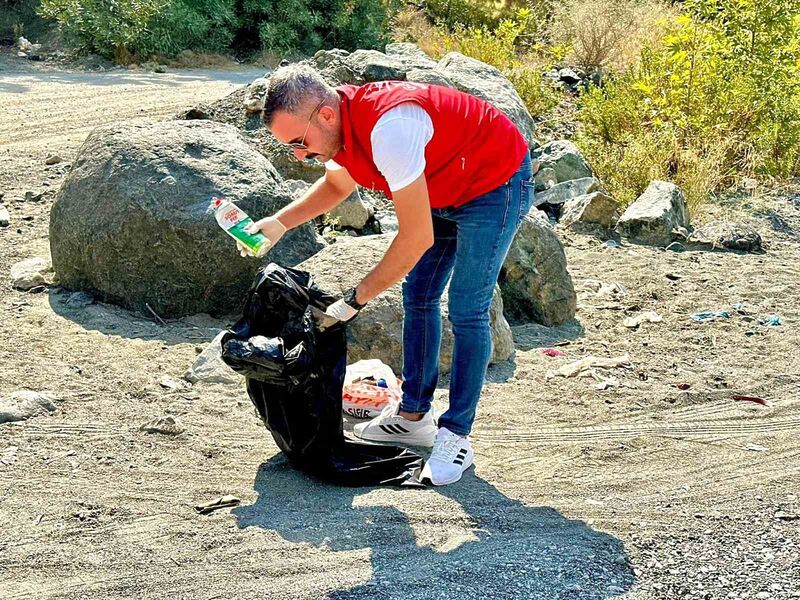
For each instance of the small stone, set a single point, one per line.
(785, 516)
(8, 456)
(164, 425)
(5, 218)
(763, 595)
(169, 384)
(53, 159)
(30, 273)
(24, 404)
(676, 247)
(33, 196)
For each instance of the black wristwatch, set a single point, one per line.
(349, 298)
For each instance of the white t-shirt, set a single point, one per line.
(398, 144)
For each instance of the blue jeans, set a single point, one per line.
(470, 243)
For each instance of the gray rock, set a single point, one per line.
(726, 235)
(371, 65)
(564, 158)
(353, 212)
(561, 192)
(209, 366)
(129, 223)
(324, 58)
(653, 216)
(256, 92)
(53, 159)
(545, 179)
(568, 76)
(167, 425)
(5, 218)
(486, 82)
(410, 55)
(30, 273)
(389, 223)
(24, 404)
(377, 331)
(534, 280)
(429, 76)
(595, 209)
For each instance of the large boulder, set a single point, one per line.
(129, 223)
(377, 332)
(534, 279)
(653, 217)
(486, 82)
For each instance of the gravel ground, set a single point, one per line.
(660, 487)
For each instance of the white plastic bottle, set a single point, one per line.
(235, 222)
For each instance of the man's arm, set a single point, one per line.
(324, 195)
(414, 237)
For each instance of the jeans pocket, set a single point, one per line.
(526, 199)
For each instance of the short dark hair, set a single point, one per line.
(291, 87)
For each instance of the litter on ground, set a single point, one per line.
(578, 367)
(646, 317)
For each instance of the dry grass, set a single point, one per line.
(608, 33)
(410, 25)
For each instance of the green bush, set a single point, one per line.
(139, 28)
(203, 25)
(308, 25)
(108, 27)
(718, 98)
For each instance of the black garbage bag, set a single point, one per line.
(293, 357)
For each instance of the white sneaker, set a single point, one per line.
(451, 456)
(391, 427)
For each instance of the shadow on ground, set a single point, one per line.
(505, 549)
(109, 319)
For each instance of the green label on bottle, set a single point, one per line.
(255, 242)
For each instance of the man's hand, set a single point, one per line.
(272, 229)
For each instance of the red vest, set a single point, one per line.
(474, 149)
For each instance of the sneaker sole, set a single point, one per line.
(407, 441)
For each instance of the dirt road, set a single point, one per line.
(661, 486)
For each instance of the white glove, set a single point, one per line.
(272, 229)
(341, 310)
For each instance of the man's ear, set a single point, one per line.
(327, 115)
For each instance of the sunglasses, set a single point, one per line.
(301, 145)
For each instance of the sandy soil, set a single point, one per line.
(639, 491)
